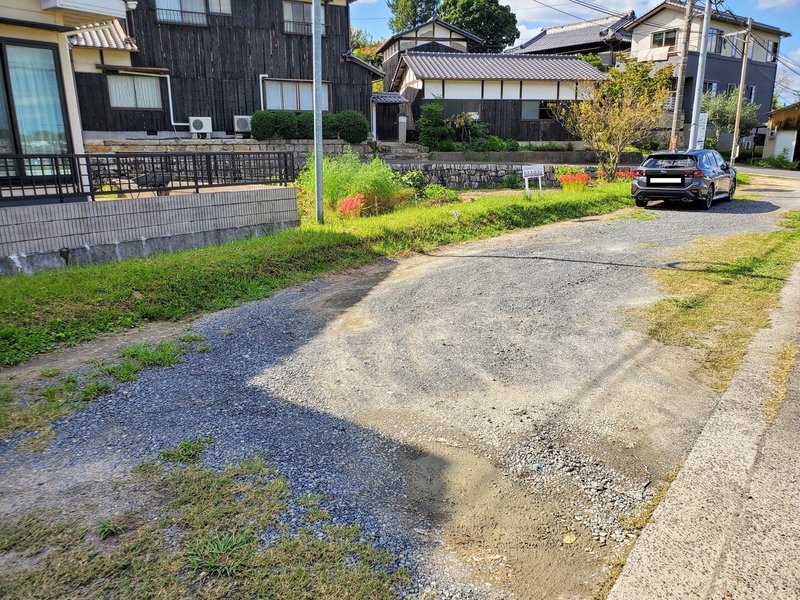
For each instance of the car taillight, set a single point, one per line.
(639, 172)
(692, 173)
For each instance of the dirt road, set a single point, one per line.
(489, 412)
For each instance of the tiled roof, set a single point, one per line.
(388, 98)
(463, 32)
(537, 67)
(108, 35)
(580, 33)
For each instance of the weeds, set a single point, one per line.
(203, 348)
(206, 544)
(50, 372)
(108, 528)
(192, 336)
(93, 390)
(187, 451)
(721, 294)
(163, 354)
(780, 377)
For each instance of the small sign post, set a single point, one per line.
(702, 126)
(529, 172)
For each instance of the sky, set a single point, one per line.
(373, 16)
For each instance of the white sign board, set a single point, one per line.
(702, 125)
(530, 172)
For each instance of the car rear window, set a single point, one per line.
(670, 162)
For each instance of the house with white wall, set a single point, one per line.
(657, 36)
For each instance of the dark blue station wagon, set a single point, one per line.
(696, 176)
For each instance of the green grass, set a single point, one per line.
(722, 294)
(93, 390)
(163, 354)
(187, 451)
(205, 544)
(743, 178)
(73, 305)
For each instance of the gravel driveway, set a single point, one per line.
(470, 407)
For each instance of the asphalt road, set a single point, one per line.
(470, 408)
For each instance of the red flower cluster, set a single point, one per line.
(574, 181)
(350, 207)
(626, 174)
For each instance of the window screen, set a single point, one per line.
(131, 91)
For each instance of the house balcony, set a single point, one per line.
(83, 12)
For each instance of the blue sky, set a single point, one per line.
(373, 15)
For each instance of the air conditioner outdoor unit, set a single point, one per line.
(241, 123)
(200, 124)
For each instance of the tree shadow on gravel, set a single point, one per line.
(211, 394)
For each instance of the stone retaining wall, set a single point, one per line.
(37, 238)
(469, 175)
(298, 147)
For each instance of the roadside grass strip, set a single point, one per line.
(786, 359)
(69, 306)
(721, 293)
(205, 542)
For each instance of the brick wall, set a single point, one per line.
(35, 238)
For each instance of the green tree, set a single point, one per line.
(721, 109)
(594, 60)
(494, 22)
(621, 111)
(365, 47)
(410, 13)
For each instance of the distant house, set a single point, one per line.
(604, 37)
(656, 36)
(783, 133)
(38, 107)
(172, 60)
(514, 93)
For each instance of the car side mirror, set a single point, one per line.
(725, 166)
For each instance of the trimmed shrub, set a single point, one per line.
(305, 126)
(513, 181)
(353, 126)
(490, 143)
(330, 126)
(433, 129)
(512, 145)
(262, 125)
(285, 124)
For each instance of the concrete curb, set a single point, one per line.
(680, 553)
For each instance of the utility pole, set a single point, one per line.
(681, 75)
(745, 49)
(316, 25)
(700, 78)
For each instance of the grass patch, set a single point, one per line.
(108, 528)
(743, 178)
(205, 545)
(163, 354)
(72, 305)
(93, 390)
(187, 451)
(124, 371)
(192, 337)
(50, 403)
(722, 294)
(787, 356)
(50, 372)
(203, 348)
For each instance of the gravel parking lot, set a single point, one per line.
(488, 412)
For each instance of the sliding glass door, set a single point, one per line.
(32, 115)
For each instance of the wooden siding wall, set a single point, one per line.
(505, 120)
(215, 69)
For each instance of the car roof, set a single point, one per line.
(667, 154)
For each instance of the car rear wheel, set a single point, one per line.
(640, 202)
(708, 200)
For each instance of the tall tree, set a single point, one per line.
(494, 22)
(410, 13)
(721, 109)
(623, 110)
(365, 47)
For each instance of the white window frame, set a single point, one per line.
(135, 104)
(292, 88)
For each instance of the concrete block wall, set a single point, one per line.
(51, 236)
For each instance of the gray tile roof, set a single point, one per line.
(108, 35)
(573, 35)
(536, 67)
